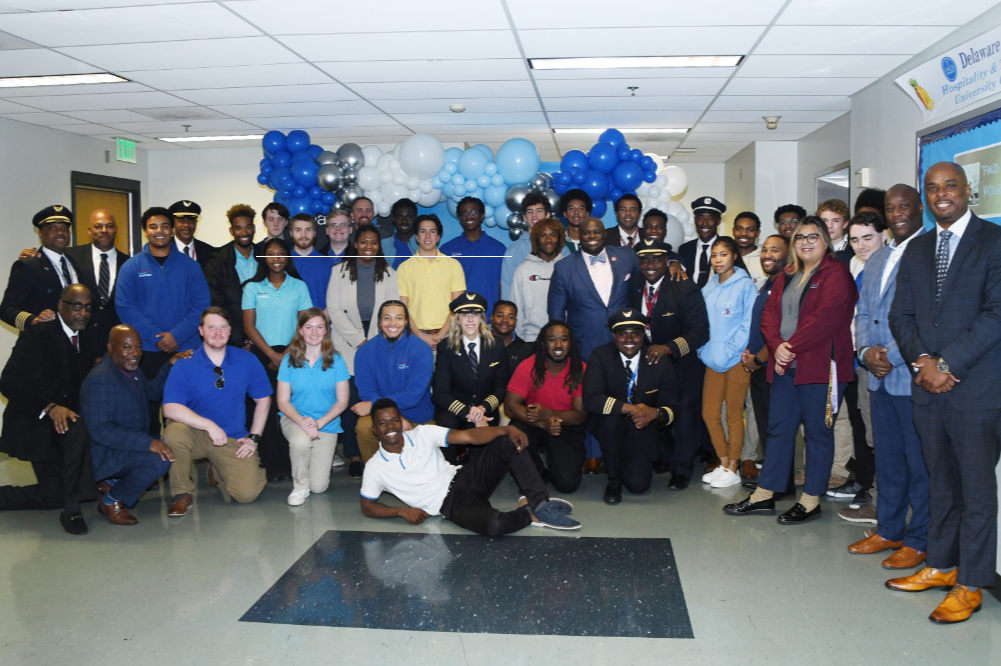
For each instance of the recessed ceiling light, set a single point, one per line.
(59, 80)
(624, 130)
(685, 150)
(192, 139)
(457, 108)
(635, 61)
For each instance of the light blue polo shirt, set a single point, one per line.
(314, 390)
(277, 309)
(246, 267)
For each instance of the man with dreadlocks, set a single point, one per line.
(544, 399)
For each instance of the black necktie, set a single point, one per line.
(474, 359)
(629, 380)
(103, 279)
(703, 265)
(187, 250)
(629, 241)
(652, 292)
(66, 272)
(941, 262)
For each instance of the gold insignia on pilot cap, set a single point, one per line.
(58, 209)
(188, 203)
(470, 296)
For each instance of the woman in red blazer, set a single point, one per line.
(807, 327)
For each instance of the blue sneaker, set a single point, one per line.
(561, 505)
(547, 515)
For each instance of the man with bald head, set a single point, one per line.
(99, 261)
(41, 423)
(946, 319)
(115, 401)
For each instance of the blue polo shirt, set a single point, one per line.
(315, 272)
(246, 267)
(481, 262)
(314, 390)
(394, 247)
(277, 309)
(192, 383)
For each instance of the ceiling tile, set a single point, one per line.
(278, 109)
(426, 70)
(87, 129)
(38, 62)
(436, 45)
(818, 65)
(230, 77)
(884, 12)
(727, 102)
(588, 118)
(171, 128)
(180, 55)
(614, 87)
(124, 25)
(627, 103)
(581, 42)
(307, 122)
(797, 86)
(460, 119)
(753, 116)
(109, 116)
(442, 89)
(13, 107)
(90, 89)
(847, 39)
(629, 13)
(326, 92)
(296, 17)
(39, 118)
(474, 105)
(106, 101)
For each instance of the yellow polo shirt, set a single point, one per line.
(428, 283)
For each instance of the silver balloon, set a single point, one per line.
(327, 157)
(514, 234)
(349, 176)
(329, 177)
(538, 183)
(515, 195)
(548, 178)
(351, 156)
(349, 194)
(554, 199)
(515, 221)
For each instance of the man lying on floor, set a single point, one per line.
(411, 466)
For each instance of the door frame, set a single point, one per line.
(128, 186)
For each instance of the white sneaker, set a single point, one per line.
(337, 462)
(709, 477)
(298, 497)
(725, 479)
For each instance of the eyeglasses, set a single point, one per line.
(808, 238)
(340, 225)
(220, 382)
(789, 220)
(76, 307)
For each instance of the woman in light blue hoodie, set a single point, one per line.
(729, 297)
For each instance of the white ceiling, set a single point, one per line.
(376, 71)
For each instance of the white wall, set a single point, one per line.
(775, 179)
(739, 191)
(704, 178)
(819, 152)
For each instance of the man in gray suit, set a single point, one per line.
(946, 318)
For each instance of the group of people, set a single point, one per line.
(574, 350)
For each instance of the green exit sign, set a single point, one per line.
(125, 150)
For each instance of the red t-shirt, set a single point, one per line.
(553, 393)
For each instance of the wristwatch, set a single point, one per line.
(255, 438)
(757, 361)
(942, 366)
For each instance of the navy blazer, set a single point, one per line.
(605, 383)
(964, 327)
(689, 255)
(33, 286)
(105, 316)
(455, 389)
(679, 318)
(573, 298)
(117, 414)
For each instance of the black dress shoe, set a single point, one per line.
(613, 494)
(746, 507)
(661, 467)
(798, 514)
(73, 523)
(677, 482)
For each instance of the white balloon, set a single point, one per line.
(385, 162)
(653, 192)
(385, 176)
(675, 232)
(368, 178)
(675, 208)
(399, 178)
(429, 199)
(425, 186)
(677, 179)
(421, 155)
(371, 153)
(413, 194)
(413, 183)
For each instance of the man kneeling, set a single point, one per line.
(411, 466)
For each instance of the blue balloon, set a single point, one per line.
(575, 160)
(297, 140)
(299, 192)
(302, 156)
(497, 180)
(627, 176)
(472, 162)
(561, 188)
(602, 158)
(304, 173)
(595, 184)
(273, 142)
(263, 178)
(500, 215)
(328, 198)
(635, 154)
(452, 208)
(518, 161)
(612, 137)
(578, 178)
(494, 195)
(315, 150)
(278, 197)
(286, 195)
(471, 186)
(280, 177)
(282, 159)
(485, 149)
(458, 180)
(316, 207)
(614, 193)
(266, 167)
(436, 183)
(483, 180)
(647, 163)
(599, 208)
(453, 155)
(448, 189)
(622, 152)
(317, 192)
(491, 168)
(450, 167)
(563, 178)
(649, 176)
(298, 205)
(488, 212)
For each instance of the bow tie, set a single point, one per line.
(600, 259)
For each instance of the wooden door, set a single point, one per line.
(89, 199)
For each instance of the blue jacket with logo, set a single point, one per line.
(729, 306)
(399, 370)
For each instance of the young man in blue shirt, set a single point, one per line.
(479, 254)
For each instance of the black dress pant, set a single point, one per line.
(629, 452)
(274, 447)
(689, 431)
(150, 364)
(564, 454)
(467, 503)
(63, 478)
(865, 461)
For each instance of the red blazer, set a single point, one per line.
(824, 329)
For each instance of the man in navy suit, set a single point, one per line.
(627, 213)
(186, 214)
(114, 400)
(900, 466)
(946, 318)
(708, 214)
(99, 261)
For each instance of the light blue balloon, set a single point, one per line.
(488, 213)
(436, 183)
(500, 215)
(472, 162)
(489, 222)
(452, 156)
(490, 169)
(471, 186)
(494, 195)
(458, 180)
(497, 180)
(483, 180)
(450, 167)
(448, 189)
(517, 160)
(453, 207)
(485, 149)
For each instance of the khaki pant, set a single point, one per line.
(368, 443)
(730, 387)
(242, 479)
(311, 458)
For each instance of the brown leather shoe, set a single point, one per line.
(592, 466)
(873, 544)
(905, 558)
(210, 476)
(959, 605)
(103, 487)
(923, 580)
(180, 505)
(116, 513)
(748, 469)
